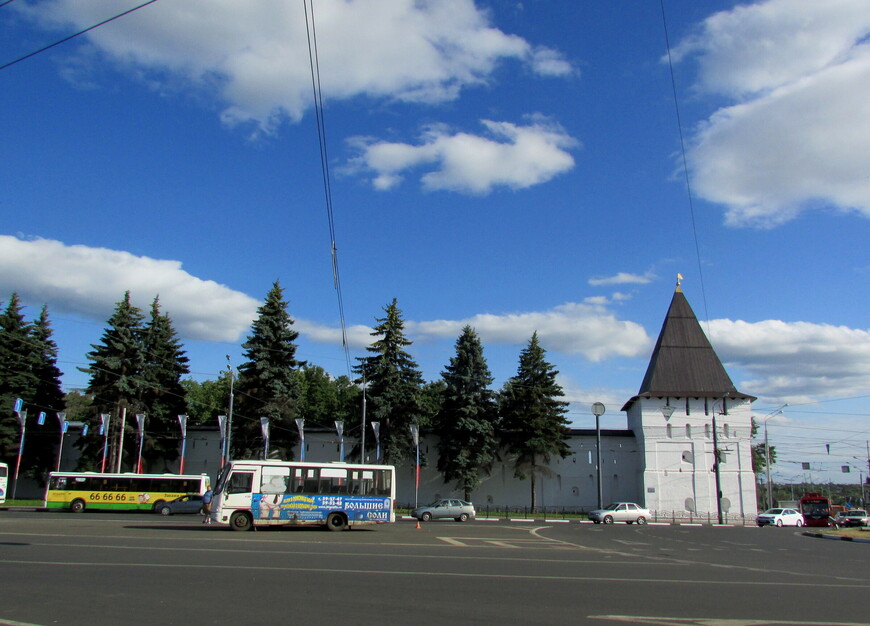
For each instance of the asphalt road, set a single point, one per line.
(61, 568)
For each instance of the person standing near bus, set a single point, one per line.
(206, 506)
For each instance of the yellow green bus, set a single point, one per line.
(78, 491)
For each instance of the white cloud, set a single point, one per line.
(795, 361)
(571, 328)
(510, 156)
(89, 281)
(622, 278)
(254, 54)
(795, 136)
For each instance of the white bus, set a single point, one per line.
(78, 491)
(4, 481)
(278, 493)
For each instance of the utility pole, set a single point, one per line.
(716, 466)
(229, 454)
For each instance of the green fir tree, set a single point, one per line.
(534, 427)
(115, 385)
(163, 396)
(18, 358)
(40, 448)
(468, 444)
(393, 386)
(268, 384)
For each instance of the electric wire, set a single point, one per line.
(74, 35)
(314, 64)
(686, 168)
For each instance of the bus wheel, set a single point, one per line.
(240, 521)
(336, 521)
(77, 506)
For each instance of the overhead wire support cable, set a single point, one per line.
(314, 63)
(74, 35)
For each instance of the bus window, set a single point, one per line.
(297, 481)
(333, 480)
(240, 482)
(312, 479)
(274, 480)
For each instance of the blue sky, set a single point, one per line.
(515, 166)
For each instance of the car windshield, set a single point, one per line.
(774, 511)
(611, 507)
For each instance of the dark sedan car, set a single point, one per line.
(191, 503)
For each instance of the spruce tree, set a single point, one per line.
(163, 396)
(393, 386)
(116, 383)
(268, 385)
(534, 427)
(17, 378)
(468, 444)
(40, 447)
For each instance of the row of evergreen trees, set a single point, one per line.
(139, 368)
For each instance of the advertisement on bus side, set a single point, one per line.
(286, 507)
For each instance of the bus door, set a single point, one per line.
(238, 490)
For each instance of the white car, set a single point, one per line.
(780, 517)
(627, 512)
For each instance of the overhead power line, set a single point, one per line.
(314, 63)
(73, 36)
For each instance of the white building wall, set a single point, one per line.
(677, 459)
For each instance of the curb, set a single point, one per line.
(530, 520)
(835, 538)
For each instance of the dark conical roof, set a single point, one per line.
(683, 363)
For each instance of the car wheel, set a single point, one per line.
(164, 510)
(156, 507)
(426, 516)
(462, 518)
(607, 519)
(779, 523)
(241, 520)
(641, 520)
(336, 521)
(77, 506)
(799, 523)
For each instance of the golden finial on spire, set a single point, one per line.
(679, 280)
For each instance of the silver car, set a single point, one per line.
(451, 508)
(627, 512)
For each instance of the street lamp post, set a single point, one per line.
(767, 455)
(598, 411)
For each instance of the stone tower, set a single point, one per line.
(685, 391)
